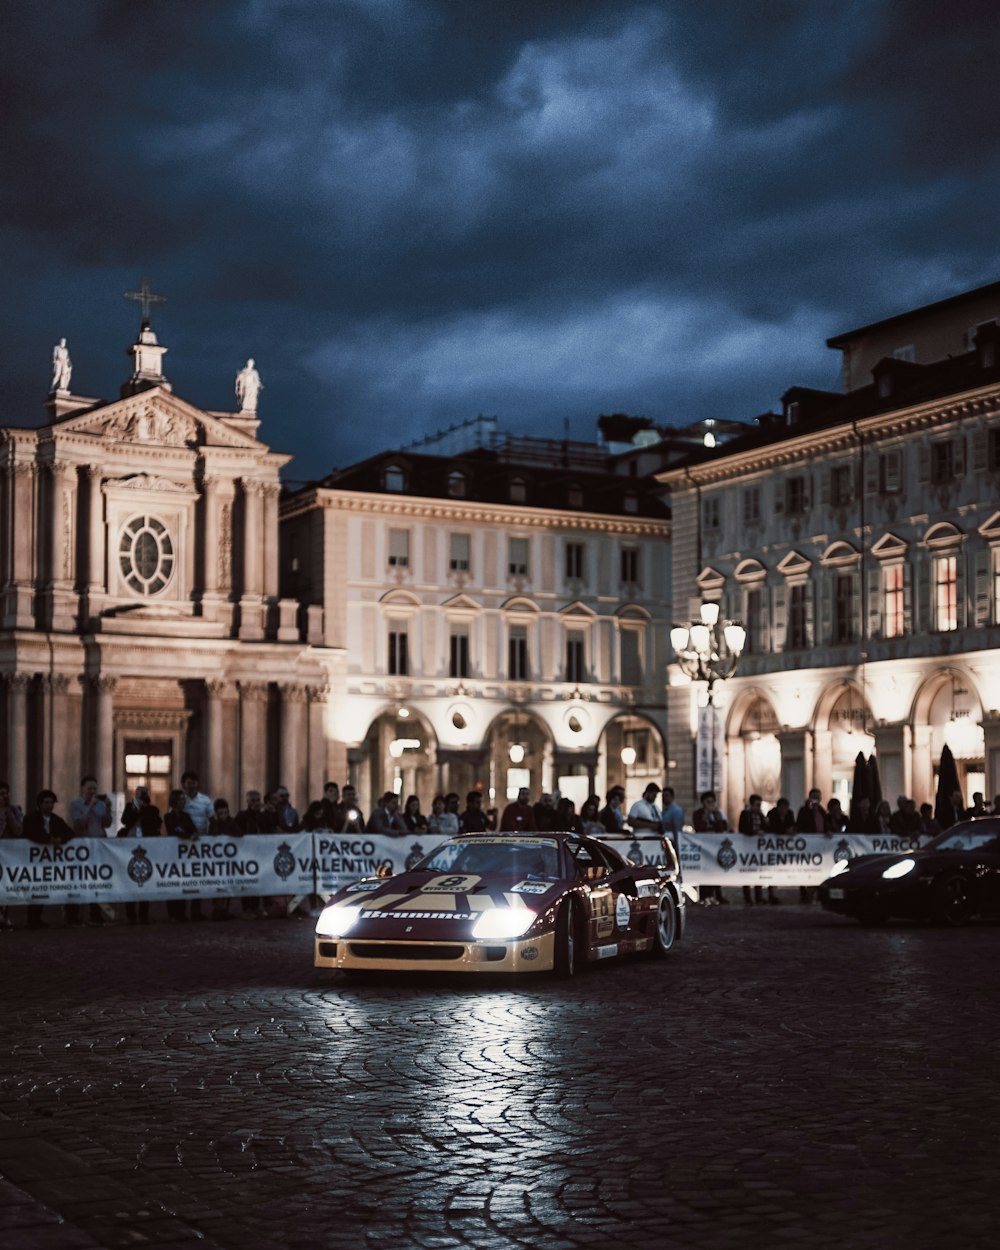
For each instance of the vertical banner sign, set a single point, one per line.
(709, 747)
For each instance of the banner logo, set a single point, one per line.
(842, 851)
(726, 857)
(139, 868)
(284, 861)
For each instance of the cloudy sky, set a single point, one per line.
(413, 211)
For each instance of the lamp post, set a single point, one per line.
(709, 650)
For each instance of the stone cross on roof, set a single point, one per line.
(145, 297)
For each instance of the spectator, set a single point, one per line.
(545, 814)
(222, 825)
(11, 826)
(644, 816)
(929, 826)
(519, 816)
(90, 816)
(611, 815)
(45, 827)
(673, 814)
(978, 807)
(178, 823)
(590, 818)
(566, 818)
(350, 818)
(451, 802)
(861, 819)
(781, 818)
(286, 816)
(753, 823)
(413, 817)
(996, 805)
(905, 821)
(255, 817)
(474, 819)
(708, 818)
(140, 819)
(321, 813)
(197, 805)
(386, 818)
(836, 818)
(882, 819)
(811, 818)
(441, 823)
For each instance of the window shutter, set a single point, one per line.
(779, 497)
(907, 598)
(765, 621)
(981, 579)
(871, 473)
(806, 491)
(811, 592)
(826, 486)
(959, 444)
(921, 593)
(780, 616)
(923, 463)
(857, 624)
(826, 608)
(873, 626)
(980, 450)
(962, 613)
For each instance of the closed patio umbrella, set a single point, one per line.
(944, 810)
(874, 782)
(860, 789)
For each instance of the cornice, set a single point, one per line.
(422, 508)
(843, 437)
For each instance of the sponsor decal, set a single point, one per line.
(623, 911)
(362, 887)
(530, 952)
(726, 857)
(607, 952)
(531, 887)
(139, 868)
(415, 915)
(456, 884)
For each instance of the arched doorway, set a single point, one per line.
(632, 755)
(754, 753)
(399, 753)
(842, 730)
(519, 751)
(952, 713)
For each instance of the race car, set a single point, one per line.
(951, 879)
(506, 903)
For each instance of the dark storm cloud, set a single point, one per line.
(410, 212)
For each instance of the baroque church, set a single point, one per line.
(141, 627)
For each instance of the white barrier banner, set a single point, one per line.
(110, 870)
(790, 859)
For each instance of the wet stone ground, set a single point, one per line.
(784, 1079)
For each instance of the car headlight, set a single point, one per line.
(337, 920)
(840, 866)
(503, 922)
(899, 869)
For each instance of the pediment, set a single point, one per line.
(943, 534)
(889, 545)
(840, 552)
(991, 528)
(750, 570)
(576, 608)
(710, 579)
(149, 484)
(795, 563)
(460, 603)
(156, 418)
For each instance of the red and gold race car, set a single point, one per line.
(500, 902)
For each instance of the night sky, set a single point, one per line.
(414, 211)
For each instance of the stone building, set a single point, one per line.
(856, 535)
(499, 614)
(141, 628)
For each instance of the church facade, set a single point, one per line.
(141, 629)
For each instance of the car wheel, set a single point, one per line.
(953, 903)
(665, 930)
(566, 938)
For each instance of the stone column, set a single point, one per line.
(19, 597)
(61, 514)
(96, 538)
(210, 565)
(61, 747)
(991, 741)
(17, 737)
(251, 607)
(217, 782)
(271, 492)
(253, 733)
(293, 742)
(316, 731)
(103, 762)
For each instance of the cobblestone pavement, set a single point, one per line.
(784, 1079)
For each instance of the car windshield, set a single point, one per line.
(965, 838)
(514, 857)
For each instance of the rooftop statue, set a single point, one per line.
(62, 367)
(248, 387)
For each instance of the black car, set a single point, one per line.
(951, 879)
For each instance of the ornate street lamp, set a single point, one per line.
(709, 650)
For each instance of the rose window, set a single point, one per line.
(146, 555)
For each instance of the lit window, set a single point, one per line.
(945, 593)
(893, 599)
